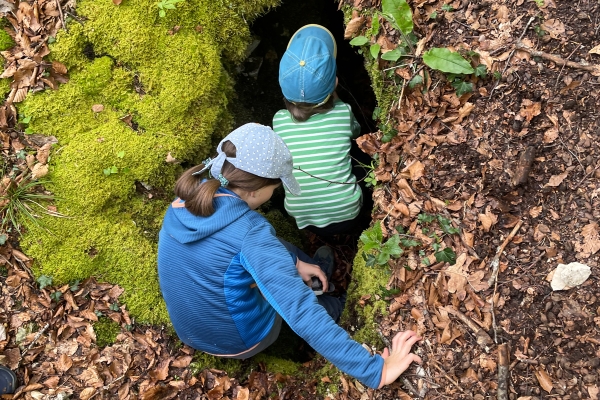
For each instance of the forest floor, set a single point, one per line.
(514, 165)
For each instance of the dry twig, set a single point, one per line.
(503, 371)
(62, 17)
(35, 339)
(511, 54)
(483, 339)
(594, 69)
(495, 264)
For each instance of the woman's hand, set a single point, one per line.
(396, 362)
(307, 271)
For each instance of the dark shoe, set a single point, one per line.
(324, 257)
(8, 381)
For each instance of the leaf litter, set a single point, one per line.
(468, 158)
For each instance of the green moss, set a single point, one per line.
(173, 89)
(285, 227)
(203, 361)
(333, 380)
(4, 87)
(106, 331)
(363, 321)
(6, 42)
(276, 364)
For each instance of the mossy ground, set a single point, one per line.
(362, 321)
(106, 331)
(174, 86)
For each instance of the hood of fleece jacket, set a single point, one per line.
(186, 227)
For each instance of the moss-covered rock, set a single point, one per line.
(165, 91)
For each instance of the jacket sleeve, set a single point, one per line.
(269, 263)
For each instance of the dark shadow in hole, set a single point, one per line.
(259, 95)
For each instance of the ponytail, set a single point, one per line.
(198, 192)
(198, 195)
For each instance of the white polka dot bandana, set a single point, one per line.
(261, 152)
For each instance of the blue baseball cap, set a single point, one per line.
(307, 69)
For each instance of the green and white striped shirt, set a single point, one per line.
(320, 147)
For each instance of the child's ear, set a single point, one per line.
(336, 82)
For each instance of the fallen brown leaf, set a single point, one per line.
(544, 379)
(556, 180)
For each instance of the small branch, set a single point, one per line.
(410, 387)
(511, 54)
(585, 177)
(503, 369)
(62, 17)
(35, 339)
(594, 69)
(483, 339)
(327, 180)
(563, 67)
(447, 376)
(495, 264)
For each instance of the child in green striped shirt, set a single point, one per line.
(318, 128)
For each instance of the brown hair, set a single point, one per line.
(302, 111)
(199, 195)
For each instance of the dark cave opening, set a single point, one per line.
(259, 97)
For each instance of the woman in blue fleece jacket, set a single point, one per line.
(228, 280)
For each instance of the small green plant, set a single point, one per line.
(115, 170)
(433, 15)
(461, 86)
(373, 239)
(539, 30)
(164, 5)
(497, 75)
(74, 286)
(445, 225)
(456, 67)
(399, 15)
(444, 60)
(415, 81)
(44, 280)
(447, 8)
(19, 199)
(369, 178)
(540, 3)
(111, 170)
(385, 293)
(56, 296)
(24, 121)
(481, 71)
(389, 132)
